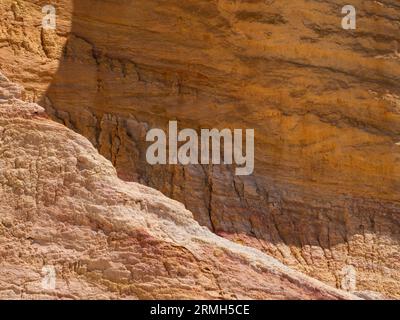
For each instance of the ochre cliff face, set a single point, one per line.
(64, 211)
(324, 103)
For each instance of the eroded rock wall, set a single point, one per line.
(64, 213)
(324, 103)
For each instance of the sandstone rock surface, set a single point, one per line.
(63, 207)
(324, 102)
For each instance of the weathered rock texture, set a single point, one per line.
(324, 103)
(28, 53)
(63, 206)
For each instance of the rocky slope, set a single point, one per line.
(62, 206)
(324, 103)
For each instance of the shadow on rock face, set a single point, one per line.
(325, 191)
